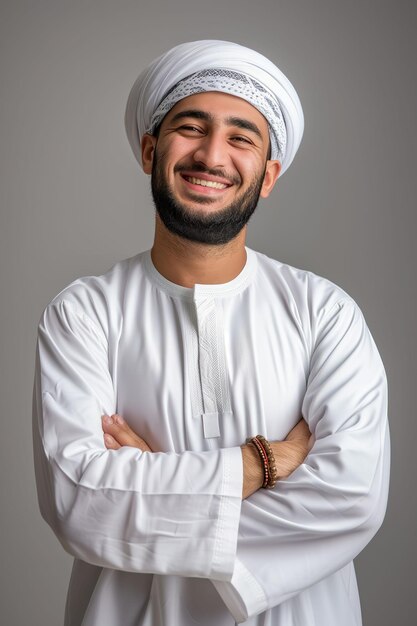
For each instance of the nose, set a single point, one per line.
(211, 151)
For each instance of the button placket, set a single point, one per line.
(214, 390)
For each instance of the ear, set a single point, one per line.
(272, 172)
(148, 148)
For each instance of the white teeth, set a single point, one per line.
(206, 183)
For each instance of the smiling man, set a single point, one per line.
(220, 167)
(210, 425)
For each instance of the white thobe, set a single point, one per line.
(163, 538)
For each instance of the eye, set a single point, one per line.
(241, 139)
(190, 128)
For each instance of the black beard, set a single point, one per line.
(214, 229)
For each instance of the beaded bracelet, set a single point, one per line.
(263, 456)
(266, 455)
(272, 467)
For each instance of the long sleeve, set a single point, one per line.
(316, 521)
(163, 513)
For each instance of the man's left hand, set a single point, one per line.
(117, 433)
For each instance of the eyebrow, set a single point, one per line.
(244, 125)
(239, 122)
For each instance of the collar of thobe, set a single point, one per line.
(234, 286)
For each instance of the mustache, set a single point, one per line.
(199, 168)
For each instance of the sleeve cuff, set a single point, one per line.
(224, 553)
(243, 595)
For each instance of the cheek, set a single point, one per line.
(177, 148)
(173, 156)
(249, 168)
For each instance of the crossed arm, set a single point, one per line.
(181, 513)
(289, 454)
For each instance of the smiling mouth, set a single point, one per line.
(205, 183)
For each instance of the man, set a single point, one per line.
(151, 378)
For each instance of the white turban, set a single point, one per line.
(188, 69)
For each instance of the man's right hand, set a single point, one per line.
(289, 454)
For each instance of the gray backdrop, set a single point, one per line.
(73, 202)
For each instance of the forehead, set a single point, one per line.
(220, 107)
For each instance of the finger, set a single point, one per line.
(118, 428)
(128, 435)
(110, 442)
(117, 424)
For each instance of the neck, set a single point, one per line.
(187, 263)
